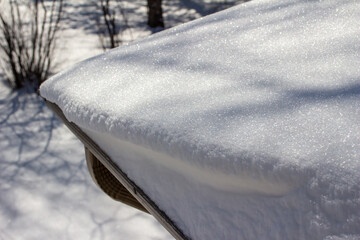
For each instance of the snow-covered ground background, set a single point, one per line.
(45, 189)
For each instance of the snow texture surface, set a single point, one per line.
(242, 125)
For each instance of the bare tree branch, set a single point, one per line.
(27, 39)
(112, 23)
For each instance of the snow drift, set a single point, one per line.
(240, 125)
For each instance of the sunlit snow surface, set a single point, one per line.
(241, 125)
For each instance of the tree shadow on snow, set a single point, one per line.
(27, 129)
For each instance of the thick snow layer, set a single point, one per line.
(246, 123)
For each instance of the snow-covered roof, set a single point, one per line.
(260, 102)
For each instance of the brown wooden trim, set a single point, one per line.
(108, 183)
(136, 191)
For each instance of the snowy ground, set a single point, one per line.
(45, 189)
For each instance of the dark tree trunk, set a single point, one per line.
(155, 18)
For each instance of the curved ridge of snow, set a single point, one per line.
(242, 182)
(268, 91)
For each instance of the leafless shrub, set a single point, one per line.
(111, 24)
(27, 39)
